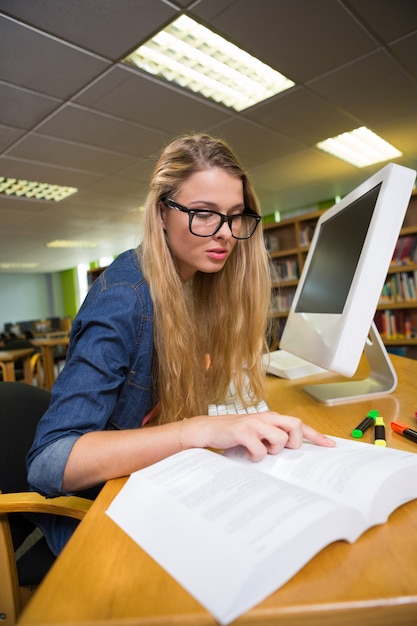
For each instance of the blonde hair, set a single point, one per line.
(221, 314)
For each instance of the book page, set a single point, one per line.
(352, 472)
(211, 523)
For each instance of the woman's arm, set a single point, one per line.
(99, 456)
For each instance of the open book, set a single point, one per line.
(231, 531)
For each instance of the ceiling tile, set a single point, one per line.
(23, 108)
(92, 128)
(299, 39)
(371, 89)
(287, 115)
(389, 19)
(131, 94)
(405, 51)
(105, 27)
(39, 172)
(115, 203)
(70, 155)
(292, 176)
(402, 132)
(134, 190)
(8, 136)
(64, 68)
(248, 139)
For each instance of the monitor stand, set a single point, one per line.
(382, 377)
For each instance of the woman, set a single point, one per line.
(163, 332)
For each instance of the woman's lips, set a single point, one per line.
(217, 253)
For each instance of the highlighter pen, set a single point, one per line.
(366, 423)
(380, 432)
(402, 429)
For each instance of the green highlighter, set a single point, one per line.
(365, 424)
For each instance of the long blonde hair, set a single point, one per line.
(221, 314)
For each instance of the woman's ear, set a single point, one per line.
(162, 213)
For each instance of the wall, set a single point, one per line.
(70, 292)
(30, 296)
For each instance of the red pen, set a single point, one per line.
(402, 429)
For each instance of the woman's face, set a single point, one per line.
(213, 189)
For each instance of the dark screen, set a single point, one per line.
(335, 257)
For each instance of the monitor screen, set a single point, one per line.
(345, 270)
(326, 285)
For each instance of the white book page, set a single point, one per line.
(211, 522)
(352, 472)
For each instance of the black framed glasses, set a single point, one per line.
(205, 223)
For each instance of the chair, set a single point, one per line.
(36, 368)
(35, 362)
(21, 407)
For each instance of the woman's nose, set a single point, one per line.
(224, 232)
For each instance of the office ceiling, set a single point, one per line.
(72, 114)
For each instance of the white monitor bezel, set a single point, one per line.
(336, 341)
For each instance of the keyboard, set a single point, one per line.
(286, 365)
(235, 407)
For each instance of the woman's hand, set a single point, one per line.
(260, 433)
(98, 456)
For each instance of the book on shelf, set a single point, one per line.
(283, 270)
(271, 241)
(405, 252)
(394, 324)
(281, 300)
(306, 234)
(232, 532)
(399, 287)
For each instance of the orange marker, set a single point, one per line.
(402, 429)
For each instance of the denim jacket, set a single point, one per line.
(106, 381)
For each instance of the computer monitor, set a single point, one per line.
(330, 322)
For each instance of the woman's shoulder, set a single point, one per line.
(125, 270)
(121, 281)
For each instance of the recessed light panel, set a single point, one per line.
(17, 188)
(67, 243)
(359, 147)
(191, 55)
(22, 266)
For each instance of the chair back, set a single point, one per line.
(21, 407)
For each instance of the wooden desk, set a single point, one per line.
(8, 359)
(47, 346)
(104, 578)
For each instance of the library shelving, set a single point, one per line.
(288, 242)
(396, 316)
(94, 273)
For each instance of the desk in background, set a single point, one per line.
(8, 359)
(47, 345)
(103, 578)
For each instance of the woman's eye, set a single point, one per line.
(204, 216)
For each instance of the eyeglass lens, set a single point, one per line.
(207, 223)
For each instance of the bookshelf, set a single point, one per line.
(288, 242)
(396, 316)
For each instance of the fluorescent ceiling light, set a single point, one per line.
(12, 266)
(14, 187)
(67, 243)
(192, 56)
(359, 147)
